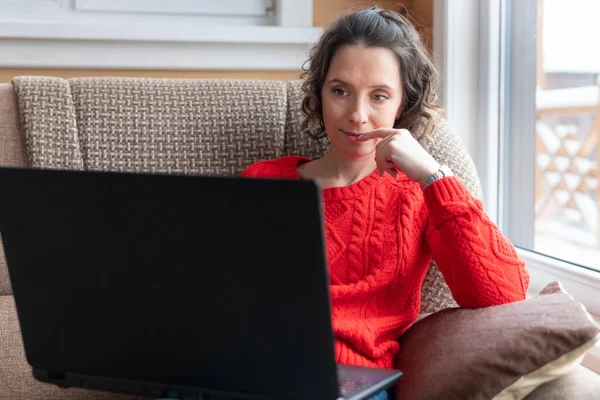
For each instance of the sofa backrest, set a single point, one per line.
(188, 126)
(160, 125)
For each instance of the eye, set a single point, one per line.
(339, 91)
(380, 97)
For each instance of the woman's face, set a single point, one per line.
(361, 92)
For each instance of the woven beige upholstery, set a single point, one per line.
(178, 126)
(443, 144)
(152, 125)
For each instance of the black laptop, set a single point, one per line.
(175, 286)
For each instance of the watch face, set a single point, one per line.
(439, 174)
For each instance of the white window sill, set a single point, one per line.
(581, 283)
(70, 44)
(60, 30)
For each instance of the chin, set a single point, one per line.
(357, 153)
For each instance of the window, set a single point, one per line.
(520, 86)
(553, 129)
(567, 133)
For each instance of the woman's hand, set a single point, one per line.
(399, 150)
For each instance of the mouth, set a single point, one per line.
(351, 135)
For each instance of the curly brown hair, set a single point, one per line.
(374, 27)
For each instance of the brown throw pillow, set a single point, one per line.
(501, 352)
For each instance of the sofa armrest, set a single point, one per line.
(12, 153)
(12, 142)
(579, 384)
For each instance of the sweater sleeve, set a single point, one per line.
(254, 170)
(284, 167)
(479, 264)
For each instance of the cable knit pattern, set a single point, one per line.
(381, 235)
(359, 228)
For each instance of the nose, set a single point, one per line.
(358, 113)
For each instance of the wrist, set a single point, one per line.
(431, 169)
(441, 172)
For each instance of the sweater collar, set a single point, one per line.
(354, 190)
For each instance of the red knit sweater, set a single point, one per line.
(381, 234)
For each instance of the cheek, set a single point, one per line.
(332, 112)
(385, 118)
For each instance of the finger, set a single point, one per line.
(391, 168)
(384, 166)
(392, 171)
(381, 133)
(383, 143)
(383, 155)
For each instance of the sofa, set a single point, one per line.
(179, 126)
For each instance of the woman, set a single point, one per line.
(389, 206)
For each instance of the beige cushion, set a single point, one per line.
(152, 125)
(12, 153)
(502, 352)
(16, 379)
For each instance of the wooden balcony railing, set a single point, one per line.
(567, 160)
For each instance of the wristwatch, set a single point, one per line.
(439, 174)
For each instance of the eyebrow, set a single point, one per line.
(379, 86)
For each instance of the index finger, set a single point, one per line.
(381, 133)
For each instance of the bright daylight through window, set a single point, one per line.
(567, 132)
